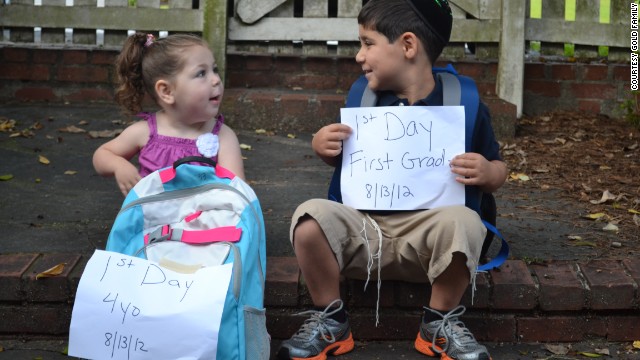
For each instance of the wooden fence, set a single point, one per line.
(503, 30)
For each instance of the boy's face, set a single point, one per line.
(382, 62)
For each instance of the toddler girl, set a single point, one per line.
(179, 73)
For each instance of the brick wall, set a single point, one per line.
(296, 93)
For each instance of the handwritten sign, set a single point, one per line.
(397, 158)
(131, 308)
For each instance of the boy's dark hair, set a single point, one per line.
(429, 20)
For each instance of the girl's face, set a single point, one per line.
(381, 61)
(198, 87)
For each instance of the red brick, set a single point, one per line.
(595, 72)
(104, 57)
(259, 62)
(633, 267)
(43, 56)
(349, 66)
(486, 88)
(412, 295)
(393, 324)
(288, 64)
(542, 87)
(11, 54)
(513, 287)
(534, 71)
(590, 106)
(281, 287)
(473, 70)
(622, 72)
(325, 65)
(74, 57)
(90, 95)
(310, 81)
(623, 328)
(359, 297)
(551, 328)
(482, 295)
(83, 74)
(253, 79)
(12, 267)
(563, 72)
(560, 287)
(295, 105)
(35, 319)
(49, 288)
(24, 72)
(491, 327)
(35, 94)
(235, 62)
(610, 287)
(593, 91)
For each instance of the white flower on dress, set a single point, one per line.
(208, 145)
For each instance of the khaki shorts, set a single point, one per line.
(416, 245)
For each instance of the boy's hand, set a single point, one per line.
(327, 142)
(126, 177)
(475, 169)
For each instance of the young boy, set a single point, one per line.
(400, 41)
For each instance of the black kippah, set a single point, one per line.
(436, 14)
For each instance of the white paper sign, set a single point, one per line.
(131, 308)
(397, 157)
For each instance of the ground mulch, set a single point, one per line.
(591, 160)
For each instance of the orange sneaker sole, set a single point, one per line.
(337, 348)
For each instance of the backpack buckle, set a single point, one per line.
(162, 233)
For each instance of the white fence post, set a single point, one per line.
(510, 79)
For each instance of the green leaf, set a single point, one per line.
(6, 177)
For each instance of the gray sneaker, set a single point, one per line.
(318, 336)
(449, 338)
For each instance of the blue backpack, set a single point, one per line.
(457, 90)
(190, 216)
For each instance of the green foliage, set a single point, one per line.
(631, 110)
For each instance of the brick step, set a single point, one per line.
(558, 301)
(286, 110)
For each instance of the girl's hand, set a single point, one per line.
(327, 142)
(127, 177)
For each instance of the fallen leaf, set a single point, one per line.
(291, 136)
(70, 172)
(260, 131)
(606, 196)
(575, 237)
(104, 133)
(520, 176)
(604, 167)
(54, 271)
(6, 177)
(584, 243)
(245, 147)
(557, 349)
(7, 125)
(83, 122)
(633, 211)
(636, 344)
(610, 227)
(595, 216)
(43, 160)
(602, 351)
(72, 129)
(588, 354)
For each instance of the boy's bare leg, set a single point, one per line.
(317, 262)
(448, 288)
